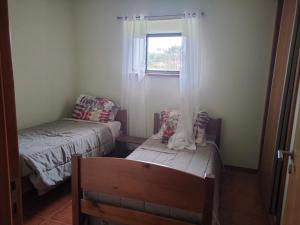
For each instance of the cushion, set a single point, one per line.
(169, 120)
(94, 109)
(200, 125)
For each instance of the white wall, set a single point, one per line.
(236, 46)
(43, 62)
(62, 48)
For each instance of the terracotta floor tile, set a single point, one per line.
(51, 207)
(237, 218)
(241, 202)
(45, 206)
(51, 222)
(244, 203)
(64, 215)
(33, 220)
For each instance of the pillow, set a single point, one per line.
(169, 120)
(81, 111)
(94, 109)
(200, 125)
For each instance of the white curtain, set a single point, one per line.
(133, 74)
(189, 83)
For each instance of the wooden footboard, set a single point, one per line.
(141, 181)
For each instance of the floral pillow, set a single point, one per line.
(200, 125)
(169, 120)
(94, 109)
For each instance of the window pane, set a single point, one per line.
(164, 53)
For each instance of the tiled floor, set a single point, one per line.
(240, 203)
(54, 208)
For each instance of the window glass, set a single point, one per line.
(164, 53)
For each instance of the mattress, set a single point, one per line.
(46, 150)
(204, 162)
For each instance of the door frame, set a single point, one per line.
(11, 205)
(274, 203)
(5, 203)
(271, 71)
(289, 134)
(293, 130)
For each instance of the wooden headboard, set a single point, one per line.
(213, 129)
(122, 117)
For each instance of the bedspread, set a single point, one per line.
(46, 150)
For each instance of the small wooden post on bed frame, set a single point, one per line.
(76, 190)
(122, 117)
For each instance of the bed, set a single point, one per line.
(46, 150)
(153, 185)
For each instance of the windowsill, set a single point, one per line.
(162, 75)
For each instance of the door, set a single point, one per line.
(276, 102)
(10, 183)
(291, 215)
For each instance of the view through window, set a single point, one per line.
(164, 53)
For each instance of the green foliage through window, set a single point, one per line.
(164, 52)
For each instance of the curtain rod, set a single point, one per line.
(162, 17)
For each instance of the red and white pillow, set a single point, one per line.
(200, 125)
(94, 109)
(169, 120)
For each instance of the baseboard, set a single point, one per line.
(241, 169)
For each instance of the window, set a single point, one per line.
(163, 54)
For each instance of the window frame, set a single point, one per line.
(160, 72)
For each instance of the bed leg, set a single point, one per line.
(208, 201)
(76, 190)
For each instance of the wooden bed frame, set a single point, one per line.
(140, 181)
(121, 117)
